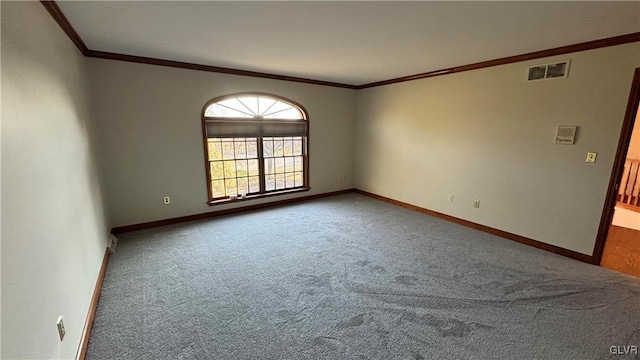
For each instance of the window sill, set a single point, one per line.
(257, 196)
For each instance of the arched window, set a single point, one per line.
(255, 145)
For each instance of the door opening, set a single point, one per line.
(618, 242)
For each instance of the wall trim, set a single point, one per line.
(507, 235)
(88, 324)
(58, 16)
(589, 45)
(207, 215)
(66, 26)
(618, 167)
(209, 68)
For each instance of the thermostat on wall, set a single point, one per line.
(566, 135)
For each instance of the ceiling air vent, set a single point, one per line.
(548, 71)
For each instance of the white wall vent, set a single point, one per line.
(548, 71)
(566, 135)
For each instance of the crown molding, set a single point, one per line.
(209, 68)
(65, 25)
(589, 45)
(63, 22)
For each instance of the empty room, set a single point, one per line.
(320, 180)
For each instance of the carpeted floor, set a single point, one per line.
(350, 277)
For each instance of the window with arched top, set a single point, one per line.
(255, 145)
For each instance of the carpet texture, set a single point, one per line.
(350, 277)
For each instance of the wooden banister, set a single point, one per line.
(629, 191)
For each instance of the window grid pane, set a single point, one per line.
(270, 182)
(283, 163)
(227, 149)
(252, 106)
(254, 184)
(233, 166)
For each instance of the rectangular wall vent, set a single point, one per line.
(548, 71)
(566, 134)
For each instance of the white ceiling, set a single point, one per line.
(347, 42)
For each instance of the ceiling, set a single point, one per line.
(349, 42)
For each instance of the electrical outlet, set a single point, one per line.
(167, 200)
(61, 330)
(476, 203)
(591, 157)
(450, 198)
(344, 176)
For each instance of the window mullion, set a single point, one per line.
(261, 166)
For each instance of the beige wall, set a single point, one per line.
(151, 130)
(54, 231)
(489, 135)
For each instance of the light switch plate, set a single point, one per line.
(591, 157)
(61, 330)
